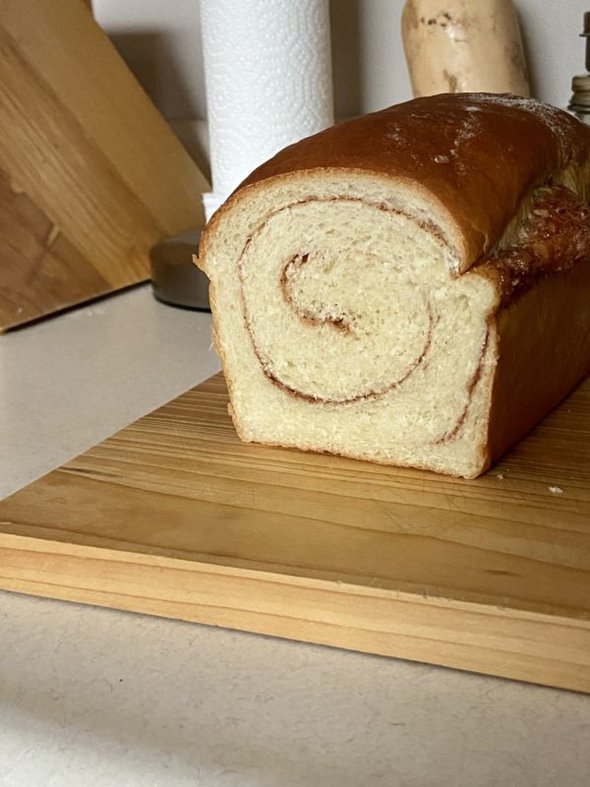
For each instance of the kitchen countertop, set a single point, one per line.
(98, 697)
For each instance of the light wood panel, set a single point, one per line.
(174, 516)
(91, 176)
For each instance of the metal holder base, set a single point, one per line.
(176, 279)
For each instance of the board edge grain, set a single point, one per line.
(530, 647)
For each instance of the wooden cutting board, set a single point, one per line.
(174, 516)
(91, 176)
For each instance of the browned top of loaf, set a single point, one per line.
(479, 154)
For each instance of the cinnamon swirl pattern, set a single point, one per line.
(338, 317)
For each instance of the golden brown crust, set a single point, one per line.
(544, 351)
(477, 154)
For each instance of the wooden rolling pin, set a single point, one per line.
(456, 46)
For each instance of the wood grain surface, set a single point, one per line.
(91, 176)
(174, 516)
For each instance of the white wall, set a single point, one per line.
(160, 39)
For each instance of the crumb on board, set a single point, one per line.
(500, 476)
(555, 490)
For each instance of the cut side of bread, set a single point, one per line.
(364, 310)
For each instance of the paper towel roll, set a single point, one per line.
(269, 82)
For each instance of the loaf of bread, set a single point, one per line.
(411, 287)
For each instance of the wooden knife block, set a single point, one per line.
(91, 176)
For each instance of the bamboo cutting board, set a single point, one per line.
(174, 516)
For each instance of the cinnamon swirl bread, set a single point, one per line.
(411, 287)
